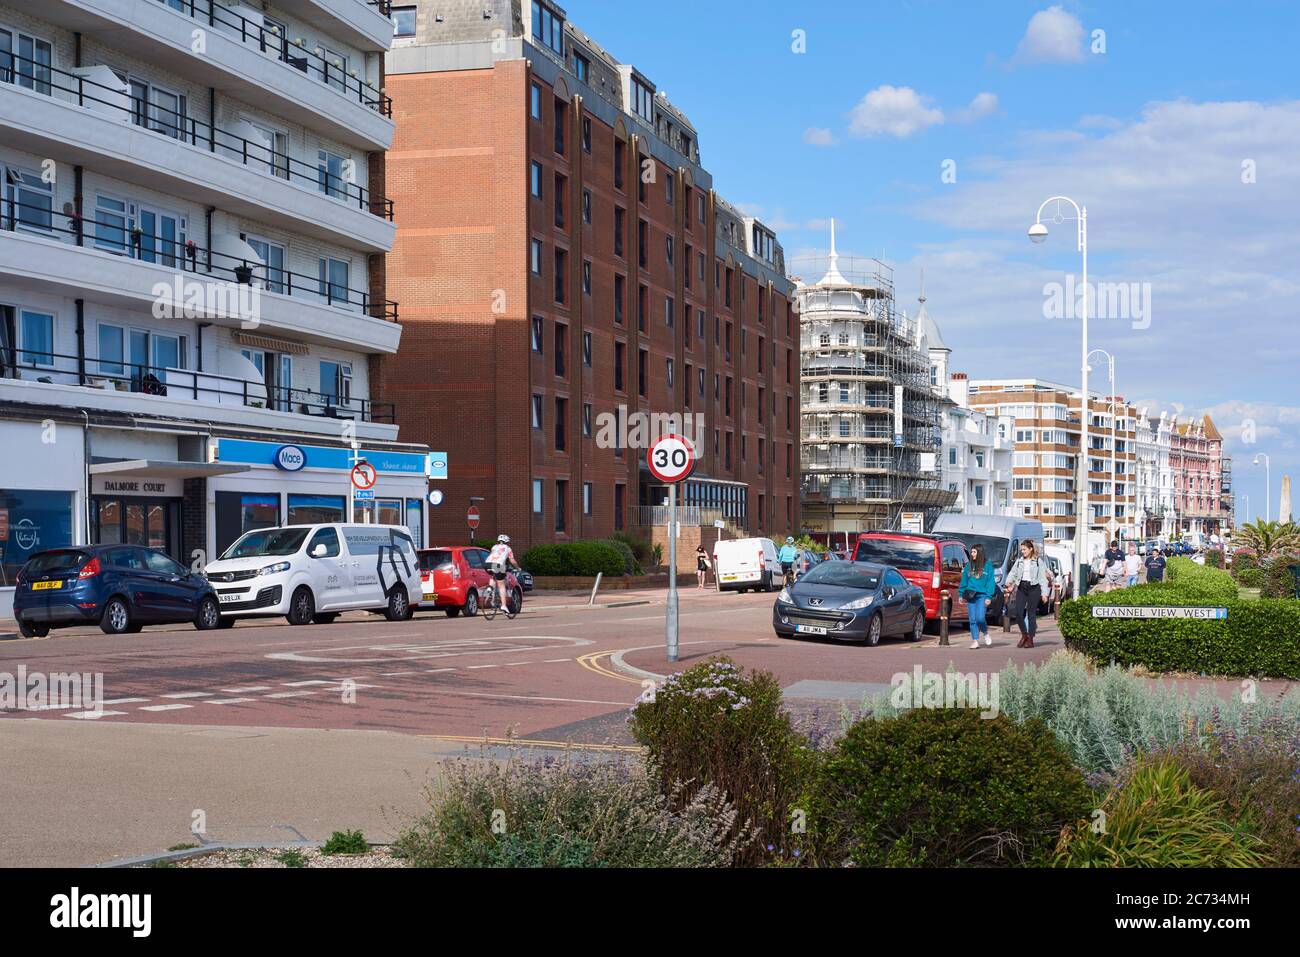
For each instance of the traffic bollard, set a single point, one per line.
(1006, 615)
(945, 611)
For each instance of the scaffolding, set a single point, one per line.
(856, 351)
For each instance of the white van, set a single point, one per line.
(311, 573)
(1000, 535)
(740, 564)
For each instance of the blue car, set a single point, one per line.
(121, 588)
(853, 601)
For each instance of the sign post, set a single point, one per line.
(671, 459)
(472, 520)
(363, 479)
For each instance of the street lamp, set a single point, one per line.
(1038, 234)
(1110, 361)
(1268, 485)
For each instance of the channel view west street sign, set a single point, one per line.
(1156, 611)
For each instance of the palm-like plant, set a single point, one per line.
(1266, 539)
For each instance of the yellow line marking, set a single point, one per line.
(530, 742)
(591, 663)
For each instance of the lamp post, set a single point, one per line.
(1268, 485)
(1110, 361)
(1038, 234)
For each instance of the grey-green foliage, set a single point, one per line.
(1104, 716)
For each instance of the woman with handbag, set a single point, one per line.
(977, 588)
(701, 565)
(1028, 579)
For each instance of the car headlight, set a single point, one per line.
(859, 603)
(785, 596)
(273, 569)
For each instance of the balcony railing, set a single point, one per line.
(269, 41)
(117, 236)
(33, 363)
(119, 103)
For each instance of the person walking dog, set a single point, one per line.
(701, 565)
(978, 586)
(1028, 579)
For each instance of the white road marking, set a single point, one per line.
(166, 707)
(475, 667)
(189, 694)
(228, 700)
(396, 674)
(435, 671)
(529, 697)
(124, 700)
(290, 694)
(304, 684)
(96, 715)
(246, 688)
(551, 661)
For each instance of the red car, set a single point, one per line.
(455, 578)
(933, 562)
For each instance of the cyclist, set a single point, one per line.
(788, 556)
(500, 560)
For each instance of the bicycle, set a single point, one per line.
(788, 568)
(490, 604)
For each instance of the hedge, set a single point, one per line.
(1258, 638)
(581, 559)
(630, 564)
(1276, 580)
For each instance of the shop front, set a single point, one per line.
(308, 485)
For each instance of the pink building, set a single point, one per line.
(1196, 460)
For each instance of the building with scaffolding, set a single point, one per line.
(871, 422)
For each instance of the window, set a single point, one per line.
(642, 363)
(619, 216)
(334, 280)
(581, 69)
(586, 277)
(561, 199)
(537, 412)
(642, 298)
(112, 350)
(586, 206)
(586, 498)
(586, 134)
(561, 270)
(329, 174)
(668, 371)
(561, 122)
(669, 249)
(110, 225)
(642, 231)
(561, 500)
(586, 420)
(619, 149)
(620, 358)
(561, 344)
(535, 180)
(620, 288)
(537, 496)
(586, 349)
(535, 256)
(272, 255)
(642, 100)
(335, 69)
(619, 495)
(671, 186)
(535, 101)
(26, 60)
(561, 420)
(50, 512)
(29, 202)
(37, 332)
(336, 382)
(548, 27)
(538, 345)
(670, 309)
(403, 21)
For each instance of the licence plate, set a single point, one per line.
(230, 599)
(729, 578)
(430, 596)
(810, 629)
(44, 586)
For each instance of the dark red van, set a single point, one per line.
(934, 562)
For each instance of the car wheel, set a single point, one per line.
(116, 619)
(302, 607)
(516, 602)
(918, 627)
(873, 630)
(28, 630)
(470, 608)
(744, 591)
(398, 604)
(208, 616)
(225, 623)
(326, 618)
(452, 612)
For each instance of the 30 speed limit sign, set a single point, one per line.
(671, 458)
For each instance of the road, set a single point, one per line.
(275, 731)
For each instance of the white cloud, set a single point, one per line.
(1053, 36)
(984, 104)
(895, 111)
(818, 136)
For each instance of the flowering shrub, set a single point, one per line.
(715, 725)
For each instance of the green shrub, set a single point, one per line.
(1105, 717)
(715, 725)
(630, 565)
(581, 559)
(1276, 578)
(1156, 817)
(567, 814)
(640, 546)
(944, 788)
(346, 842)
(1257, 638)
(1244, 562)
(1214, 558)
(1256, 776)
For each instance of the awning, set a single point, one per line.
(154, 468)
(925, 497)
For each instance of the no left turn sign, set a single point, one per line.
(364, 476)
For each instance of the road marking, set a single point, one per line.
(396, 674)
(590, 662)
(189, 694)
(166, 707)
(290, 694)
(228, 700)
(549, 661)
(529, 697)
(304, 684)
(246, 688)
(476, 667)
(96, 715)
(528, 742)
(436, 671)
(124, 700)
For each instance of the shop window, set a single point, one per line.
(316, 509)
(35, 521)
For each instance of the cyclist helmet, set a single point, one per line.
(789, 539)
(503, 539)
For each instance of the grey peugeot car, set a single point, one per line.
(851, 601)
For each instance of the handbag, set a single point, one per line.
(969, 595)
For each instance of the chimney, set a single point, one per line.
(959, 389)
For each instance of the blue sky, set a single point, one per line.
(1182, 138)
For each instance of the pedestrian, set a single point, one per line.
(1029, 577)
(978, 586)
(701, 565)
(1132, 565)
(1155, 566)
(1113, 554)
(1112, 578)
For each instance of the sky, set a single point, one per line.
(932, 130)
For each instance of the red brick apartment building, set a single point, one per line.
(561, 254)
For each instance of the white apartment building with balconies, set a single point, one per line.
(192, 232)
(978, 454)
(1156, 516)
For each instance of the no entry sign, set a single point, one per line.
(471, 517)
(671, 458)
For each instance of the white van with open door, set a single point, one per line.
(311, 573)
(740, 564)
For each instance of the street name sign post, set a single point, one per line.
(671, 460)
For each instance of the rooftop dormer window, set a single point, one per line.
(642, 101)
(548, 27)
